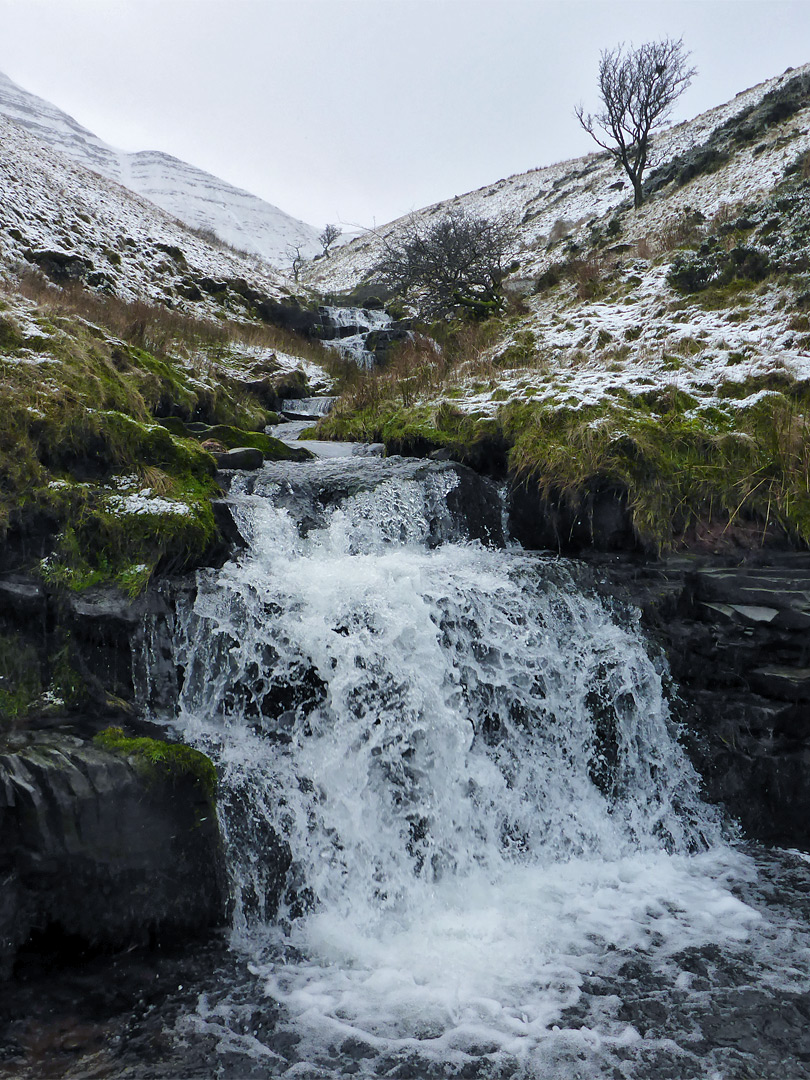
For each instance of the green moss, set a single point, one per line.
(232, 437)
(162, 760)
(520, 352)
(73, 423)
(415, 429)
(10, 338)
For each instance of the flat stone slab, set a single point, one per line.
(782, 683)
(784, 591)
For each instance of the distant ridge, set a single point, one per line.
(193, 196)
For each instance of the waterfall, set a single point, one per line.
(472, 765)
(347, 331)
(310, 408)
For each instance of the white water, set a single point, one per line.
(475, 769)
(307, 407)
(353, 346)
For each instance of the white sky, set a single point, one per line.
(357, 111)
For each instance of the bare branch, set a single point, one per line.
(328, 237)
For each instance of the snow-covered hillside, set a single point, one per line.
(562, 200)
(195, 197)
(76, 225)
(658, 358)
(615, 324)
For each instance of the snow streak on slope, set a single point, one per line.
(188, 193)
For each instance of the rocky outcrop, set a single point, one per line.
(600, 518)
(737, 641)
(472, 501)
(108, 848)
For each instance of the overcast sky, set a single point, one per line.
(357, 111)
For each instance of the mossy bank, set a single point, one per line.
(104, 475)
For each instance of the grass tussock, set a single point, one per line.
(681, 466)
(160, 329)
(684, 465)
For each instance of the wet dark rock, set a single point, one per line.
(241, 457)
(601, 520)
(475, 505)
(273, 388)
(738, 648)
(228, 528)
(381, 342)
(60, 266)
(95, 847)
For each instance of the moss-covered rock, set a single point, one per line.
(88, 478)
(112, 843)
(157, 758)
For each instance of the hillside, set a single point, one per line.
(119, 327)
(187, 193)
(77, 226)
(645, 387)
(719, 149)
(660, 358)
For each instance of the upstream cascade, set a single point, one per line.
(473, 765)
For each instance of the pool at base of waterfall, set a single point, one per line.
(665, 1008)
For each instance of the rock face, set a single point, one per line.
(739, 650)
(601, 520)
(97, 846)
(472, 501)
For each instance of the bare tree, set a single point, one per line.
(460, 261)
(638, 89)
(328, 237)
(296, 259)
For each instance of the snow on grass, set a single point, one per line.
(241, 357)
(145, 502)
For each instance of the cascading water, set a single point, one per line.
(471, 761)
(347, 331)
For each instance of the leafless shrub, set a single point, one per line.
(559, 230)
(682, 231)
(588, 274)
(458, 262)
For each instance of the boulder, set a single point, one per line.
(110, 848)
(241, 457)
(60, 266)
